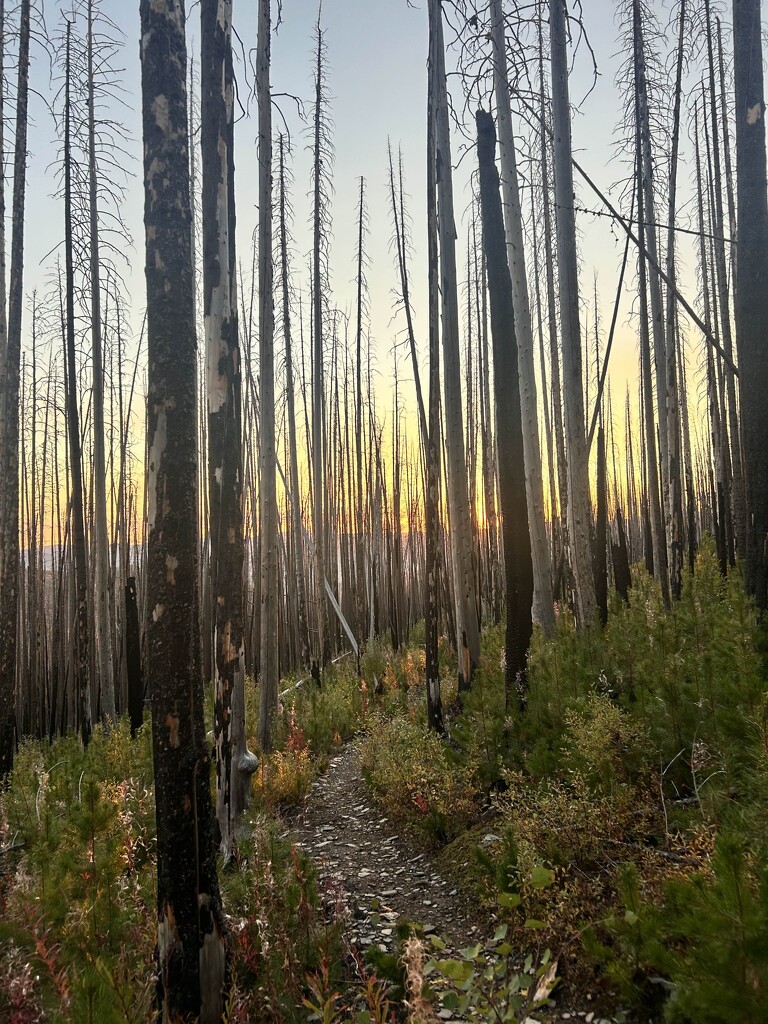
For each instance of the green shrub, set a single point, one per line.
(82, 904)
(279, 934)
(704, 947)
(413, 775)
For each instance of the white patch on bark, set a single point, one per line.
(157, 612)
(223, 14)
(217, 383)
(156, 451)
(754, 113)
(171, 12)
(171, 564)
(161, 113)
(218, 472)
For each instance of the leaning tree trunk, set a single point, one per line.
(234, 765)
(579, 510)
(543, 607)
(268, 663)
(518, 563)
(9, 402)
(752, 274)
(191, 944)
(467, 626)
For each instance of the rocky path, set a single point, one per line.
(360, 855)
(376, 878)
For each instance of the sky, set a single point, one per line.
(376, 74)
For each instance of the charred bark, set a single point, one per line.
(191, 948)
(518, 565)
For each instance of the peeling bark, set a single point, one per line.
(225, 473)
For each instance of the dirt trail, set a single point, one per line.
(360, 853)
(377, 878)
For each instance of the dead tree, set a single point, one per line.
(579, 509)
(467, 626)
(752, 273)
(191, 945)
(268, 664)
(10, 361)
(513, 222)
(82, 663)
(518, 566)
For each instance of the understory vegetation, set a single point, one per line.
(615, 830)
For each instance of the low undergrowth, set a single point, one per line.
(620, 823)
(623, 816)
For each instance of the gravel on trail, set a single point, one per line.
(384, 878)
(374, 877)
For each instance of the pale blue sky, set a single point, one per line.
(377, 81)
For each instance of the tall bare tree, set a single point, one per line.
(432, 454)
(224, 402)
(467, 625)
(191, 944)
(543, 607)
(319, 299)
(518, 562)
(579, 509)
(103, 635)
(82, 661)
(295, 496)
(268, 663)
(9, 403)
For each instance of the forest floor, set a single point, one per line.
(373, 877)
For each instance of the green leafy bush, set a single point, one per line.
(412, 773)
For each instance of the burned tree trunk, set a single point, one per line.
(9, 403)
(543, 608)
(752, 274)
(268, 663)
(579, 511)
(432, 455)
(133, 657)
(518, 566)
(234, 765)
(82, 664)
(191, 946)
(467, 625)
(103, 635)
